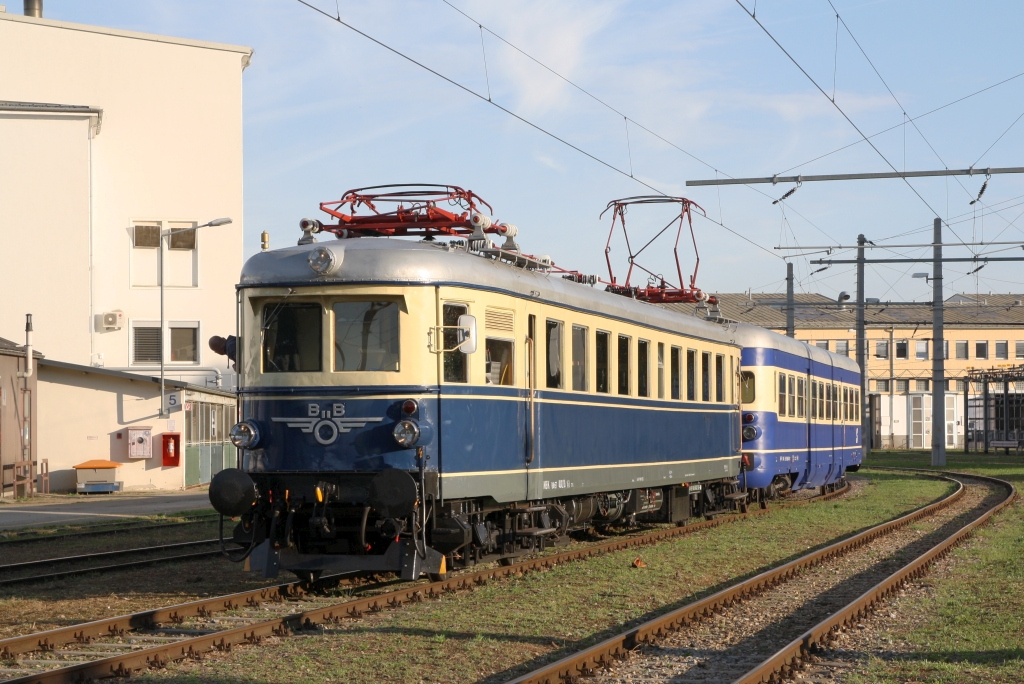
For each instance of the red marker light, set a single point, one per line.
(409, 407)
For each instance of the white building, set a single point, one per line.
(106, 137)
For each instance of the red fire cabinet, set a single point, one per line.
(170, 448)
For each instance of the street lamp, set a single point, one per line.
(167, 232)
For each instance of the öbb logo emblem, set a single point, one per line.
(325, 424)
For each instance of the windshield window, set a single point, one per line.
(366, 336)
(291, 337)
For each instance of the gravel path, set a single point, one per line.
(723, 648)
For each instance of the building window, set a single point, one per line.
(921, 385)
(961, 385)
(945, 349)
(623, 364)
(1020, 349)
(554, 355)
(643, 368)
(822, 344)
(180, 237)
(981, 350)
(921, 350)
(882, 349)
(146, 344)
(961, 349)
(881, 385)
(147, 235)
(184, 346)
(579, 359)
(675, 363)
(1002, 350)
(902, 385)
(691, 375)
(601, 352)
(843, 347)
(902, 349)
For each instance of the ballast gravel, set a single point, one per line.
(731, 643)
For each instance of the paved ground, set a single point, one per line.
(106, 508)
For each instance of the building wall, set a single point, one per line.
(910, 376)
(168, 149)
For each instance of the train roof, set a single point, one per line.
(754, 336)
(406, 262)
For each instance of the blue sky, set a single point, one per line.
(326, 110)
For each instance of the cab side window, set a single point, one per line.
(456, 369)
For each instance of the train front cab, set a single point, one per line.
(800, 419)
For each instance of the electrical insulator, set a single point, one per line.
(264, 241)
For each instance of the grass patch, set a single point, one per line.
(968, 625)
(509, 627)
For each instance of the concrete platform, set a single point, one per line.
(99, 508)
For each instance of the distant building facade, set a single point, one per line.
(106, 138)
(980, 332)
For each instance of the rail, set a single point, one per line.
(156, 656)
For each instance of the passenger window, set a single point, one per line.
(579, 359)
(623, 364)
(792, 395)
(828, 402)
(456, 366)
(719, 377)
(554, 354)
(747, 387)
(661, 370)
(499, 356)
(365, 336)
(821, 401)
(691, 375)
(601, 352)
(292, 337)
(643, 350)
(801, 394)
(835, 402)
(674, 368)
(705, 376)
(814, 400)
(782, 394)
(846, 403)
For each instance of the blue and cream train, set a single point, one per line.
(417, 406)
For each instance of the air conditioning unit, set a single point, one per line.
(113, 320)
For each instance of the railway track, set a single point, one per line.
(123, 556)
(770, 626)
(119, 646)
(102, 529)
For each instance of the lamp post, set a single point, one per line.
(164, 233)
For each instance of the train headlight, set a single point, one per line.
(406, 433)
(749, 433)
(324, 261)
(245, 435)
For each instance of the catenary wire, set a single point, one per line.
(522, 119)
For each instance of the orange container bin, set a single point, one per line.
(170, 448)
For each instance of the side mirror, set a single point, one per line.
(467, 333)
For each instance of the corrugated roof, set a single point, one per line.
(175, 384)
(961, 310)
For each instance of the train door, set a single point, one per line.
(829, 460)
(480, 414)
